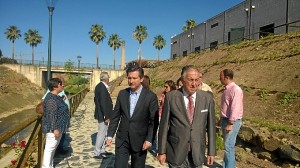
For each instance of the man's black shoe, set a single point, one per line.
(106, 153)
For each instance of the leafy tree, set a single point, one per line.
(33, 38)
(189, 24)
(97, 34)
(140, 34)
(12, 33)
(69, 67)
(159, 43)
(114, 42)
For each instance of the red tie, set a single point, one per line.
(191, 108)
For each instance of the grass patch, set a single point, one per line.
(156, 83)
(241, 155)
(245, 88)
(275, 127)
(264, 93)
(288, 98)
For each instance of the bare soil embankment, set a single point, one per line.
(268, 71)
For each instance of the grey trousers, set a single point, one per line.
(188, 163)
(100, 140)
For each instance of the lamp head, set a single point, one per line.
(79, 57)
(51, 3)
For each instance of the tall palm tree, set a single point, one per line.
(12, 33)
(114, 42)
(159, 43)
(189, 24)
(140, 34)
(33, 38)
(97, 34)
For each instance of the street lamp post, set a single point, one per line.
(191, 36)
(78, 58)
(50, 5)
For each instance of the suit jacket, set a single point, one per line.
(177, 134)
(103, 103)
(139, 127)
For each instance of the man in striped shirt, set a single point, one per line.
(231, 115)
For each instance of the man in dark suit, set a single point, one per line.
(188, 114)
(134, 117)
(103, 110)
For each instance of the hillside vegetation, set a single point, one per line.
(268, 70)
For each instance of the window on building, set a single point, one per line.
(236, 35)
(214, 25)
(197, 49)
(184, 53)
(266, 30)
(214, 45)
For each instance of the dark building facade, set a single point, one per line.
(250, 19)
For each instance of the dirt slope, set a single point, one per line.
(16, 92)
(268, 71)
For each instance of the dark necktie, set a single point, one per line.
(191, 108)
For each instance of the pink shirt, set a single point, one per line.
(232, 102)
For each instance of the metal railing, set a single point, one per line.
(36, 135)
(59, 64)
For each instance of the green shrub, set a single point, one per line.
(288, 98)
(219, 141)
(264, 94)
(8, 60)
(156, 83)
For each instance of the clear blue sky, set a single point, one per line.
(72, 20)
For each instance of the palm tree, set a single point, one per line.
(97, 34)
(33, 38)
(114, 42)
(12, 33)
(159, 43)
(189, 24)
(140, 34)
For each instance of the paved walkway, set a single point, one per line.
(82, 136)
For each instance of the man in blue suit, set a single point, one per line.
(134, 119)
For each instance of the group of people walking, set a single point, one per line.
(184, 119)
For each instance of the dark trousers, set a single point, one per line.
(62, 142)
(123, 152)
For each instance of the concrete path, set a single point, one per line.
(82, 137)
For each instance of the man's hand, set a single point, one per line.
(146, 145)
(210, 160)
(109, 142)
(228, 128)
(162, 158)
(56, 133)
(106, 121)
